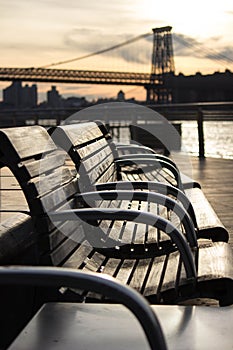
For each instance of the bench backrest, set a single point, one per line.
(48, 183)
(90, 151)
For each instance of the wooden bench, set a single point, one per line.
(208, 222)
(96, 158)
(90, 239)
(152, 165)
(134, 151)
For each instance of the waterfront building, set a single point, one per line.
(54, 99)
(18, 96)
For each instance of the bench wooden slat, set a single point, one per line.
(52, 181)
(76, 259)
(57, 197)
(96, 148)
(62, 232)
(46, 164)
(60, 255)
(162, 276)
(20, 140)
(94, 263)
(86, 132)
(125, 270)
(140, 274)
(208, 222)
(98, 166)
(159, 175)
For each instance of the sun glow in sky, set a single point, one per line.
(39, 32)
(199, 18)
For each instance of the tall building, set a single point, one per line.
(54, 99)
(17, 96)
(29, 96)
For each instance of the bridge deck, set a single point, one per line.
(74, 76)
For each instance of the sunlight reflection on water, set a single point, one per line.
(218, 138)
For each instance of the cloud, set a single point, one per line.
(90, 41)
(186, 46)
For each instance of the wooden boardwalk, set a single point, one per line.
(214, 174)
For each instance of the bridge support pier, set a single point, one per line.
(158, 94)
(162, 66)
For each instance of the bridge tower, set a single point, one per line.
(162, 66)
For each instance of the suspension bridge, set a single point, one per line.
(155, 82)
(74, 76)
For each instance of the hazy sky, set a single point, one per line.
(36, 33)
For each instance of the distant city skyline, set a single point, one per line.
(24, 95)
(39, 32)
(50, 88)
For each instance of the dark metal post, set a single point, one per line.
(201, 140)
(58, 118)
(36, 119)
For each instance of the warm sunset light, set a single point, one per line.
(40, 33)
(116, 174)
(197, 18)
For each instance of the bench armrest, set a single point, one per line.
(133, 147)
(93, 214)
(151, 197)
(147, 156)
(103, 284)
(152, 186)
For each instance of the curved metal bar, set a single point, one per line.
(148, 196)
(15, 211)
(130, 147)
(166, 226)
(152, 186)
(106, 285)
(162, 163)
(148, 156)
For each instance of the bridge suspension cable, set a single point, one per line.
(142, 36)
(206, 52)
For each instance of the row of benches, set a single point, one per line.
(161, 238)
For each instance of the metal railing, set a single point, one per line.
(199, 112)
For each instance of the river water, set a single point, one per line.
(218, 138)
